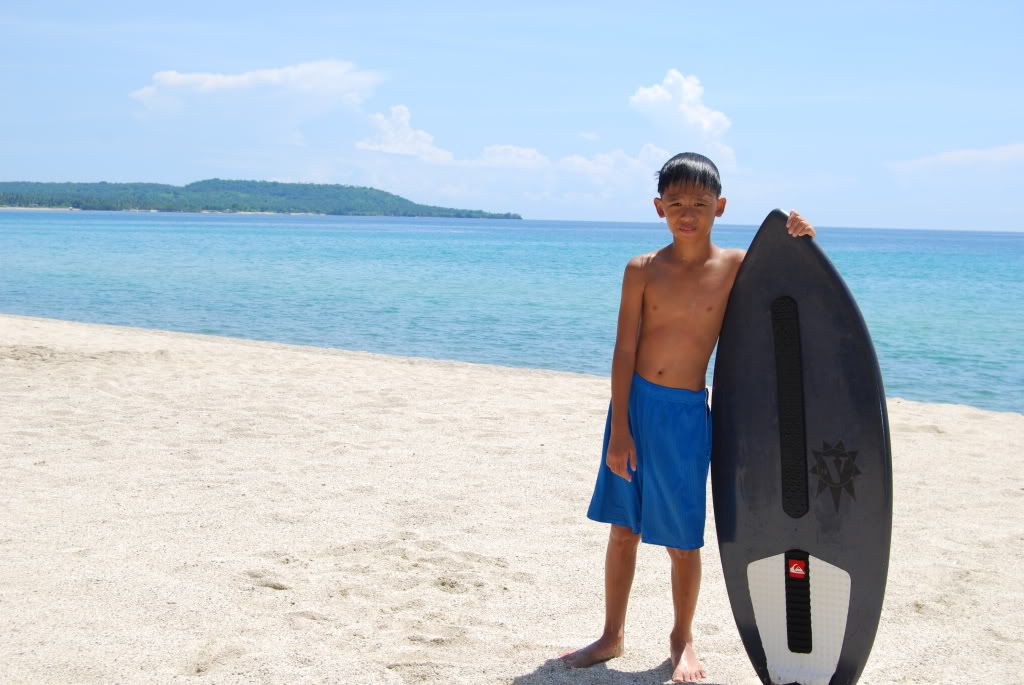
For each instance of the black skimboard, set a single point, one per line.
(801, 468)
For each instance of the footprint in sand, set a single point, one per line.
(438, 635)
(302, 620)
(425, 576)
(421, 671)
(261, 579)
(212, 657)
(284, 558)
(449, 584)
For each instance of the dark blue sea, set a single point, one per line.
(945, 308)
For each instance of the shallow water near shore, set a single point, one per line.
(944, 307)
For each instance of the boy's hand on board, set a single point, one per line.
(621, 456)
(798, 226)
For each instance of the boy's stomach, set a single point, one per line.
(673, 358)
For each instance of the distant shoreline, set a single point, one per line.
(5, 208)
(38, 209)
(220, 196)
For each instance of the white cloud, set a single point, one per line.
(157, 100)
(511, 157)
(652, 154)
(144, 94)
(723, 155)
(678, 103)
(396, 136)
(612, 185)
(620, 182)
(682, 96)
(617, 166)
(989, 155)
(589, 135)
(329, 79)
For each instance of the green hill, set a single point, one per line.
(226, 196)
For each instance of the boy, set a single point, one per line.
(657, 443)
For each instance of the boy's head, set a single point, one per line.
(689, 195)
(689, 168)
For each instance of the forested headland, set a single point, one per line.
(216, 195)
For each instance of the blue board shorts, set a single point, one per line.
(666, 500)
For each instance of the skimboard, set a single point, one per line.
(801, 469)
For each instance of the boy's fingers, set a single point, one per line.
(620, 470)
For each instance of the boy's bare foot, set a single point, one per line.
(594, 653)
(686, 667)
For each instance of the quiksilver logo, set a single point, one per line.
(797, 568)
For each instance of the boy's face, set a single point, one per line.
(689, 210)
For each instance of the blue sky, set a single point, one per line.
(897, 114)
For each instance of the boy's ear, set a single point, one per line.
(658, 206)
(720, 210)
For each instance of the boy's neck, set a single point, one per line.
(690, 253)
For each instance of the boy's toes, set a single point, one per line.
(686, 676)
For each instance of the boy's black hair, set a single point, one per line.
(690, 168)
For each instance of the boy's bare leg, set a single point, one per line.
(686, 667)
(619, 565)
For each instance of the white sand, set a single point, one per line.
(181, 508)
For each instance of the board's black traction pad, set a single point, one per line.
(798, 603)
(790, 388)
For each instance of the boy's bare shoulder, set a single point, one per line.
(641, 262)
(732, 255)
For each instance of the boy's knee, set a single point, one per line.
(683, 554)
(623, 536)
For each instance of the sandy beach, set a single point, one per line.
(184, 508)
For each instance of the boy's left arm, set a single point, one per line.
(798, 226)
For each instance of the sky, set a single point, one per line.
(870, 114)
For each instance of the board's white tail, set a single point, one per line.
(829, 606)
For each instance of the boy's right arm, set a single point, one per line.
(621, 456)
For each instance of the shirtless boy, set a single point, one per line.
(657, 443)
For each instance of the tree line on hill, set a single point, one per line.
(218, 195)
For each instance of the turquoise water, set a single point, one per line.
(945, 309)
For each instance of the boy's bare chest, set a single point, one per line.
(695, 294)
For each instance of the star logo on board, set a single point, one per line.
(835, 468)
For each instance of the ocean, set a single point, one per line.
(945, 308)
